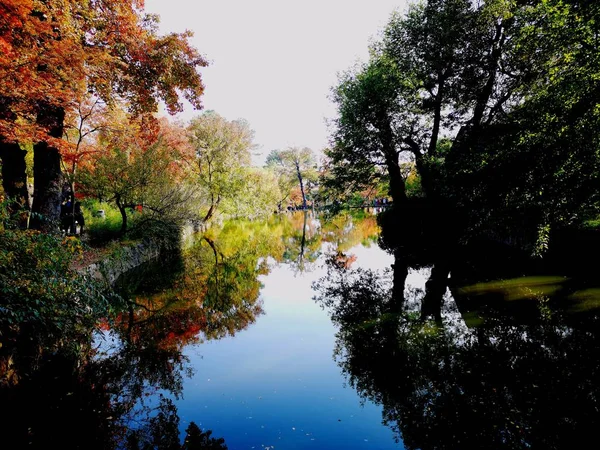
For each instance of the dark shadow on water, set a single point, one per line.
(509, 360)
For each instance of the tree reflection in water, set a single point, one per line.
(102, 394)
(501, 384)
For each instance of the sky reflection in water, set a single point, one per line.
(275, 383)
(518, 368)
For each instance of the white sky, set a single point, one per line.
(273, 62)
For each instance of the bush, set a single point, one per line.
(163, 234)
(41, 296)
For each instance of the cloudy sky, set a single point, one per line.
(273, 62)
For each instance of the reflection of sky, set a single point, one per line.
(276, 384)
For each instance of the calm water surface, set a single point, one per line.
(276, 384)
(302, 333)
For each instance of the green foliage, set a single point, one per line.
(102, 230)
(257, 197)
(223, 152)
(40, 292)
(294, 167)
(592, 224)
(497, 103)
(163, 231)
(132, 176)
(412, 181)
(368, 99)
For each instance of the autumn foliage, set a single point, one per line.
(56, 52)
(58, 58)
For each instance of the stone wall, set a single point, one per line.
(125, 259)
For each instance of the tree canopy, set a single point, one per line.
(494, 102)
(293, 166)
(57, 53)
(222, 148)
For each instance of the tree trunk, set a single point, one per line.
(435, 288)
(211, 210)
(397, 185)
(47, 187)
(299, 174)
(14, 180)
(123, 214)
(47, 176)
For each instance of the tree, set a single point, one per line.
(223, 149)
(294, 163)
(259, 197)
(285, 182)
(81, 125)
(482, 96)
(53, 53)
(366, 145)
(548, 152)
(134, 169)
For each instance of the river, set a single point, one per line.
(303, 333)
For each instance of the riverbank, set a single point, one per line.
(110, 262)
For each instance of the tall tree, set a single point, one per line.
(223, 149)
(294, 163)
(54, 52)
(491, 99)
(367, 145)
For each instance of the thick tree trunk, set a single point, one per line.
(14, 180)
(47, 176)
(397, 185)
(47, 187)
(435, 288)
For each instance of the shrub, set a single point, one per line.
(41, 296)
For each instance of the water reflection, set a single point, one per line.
(475, 356)
(91, 400)
(103, 394)
(523, 377)
(302, 240)
(304, 233)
